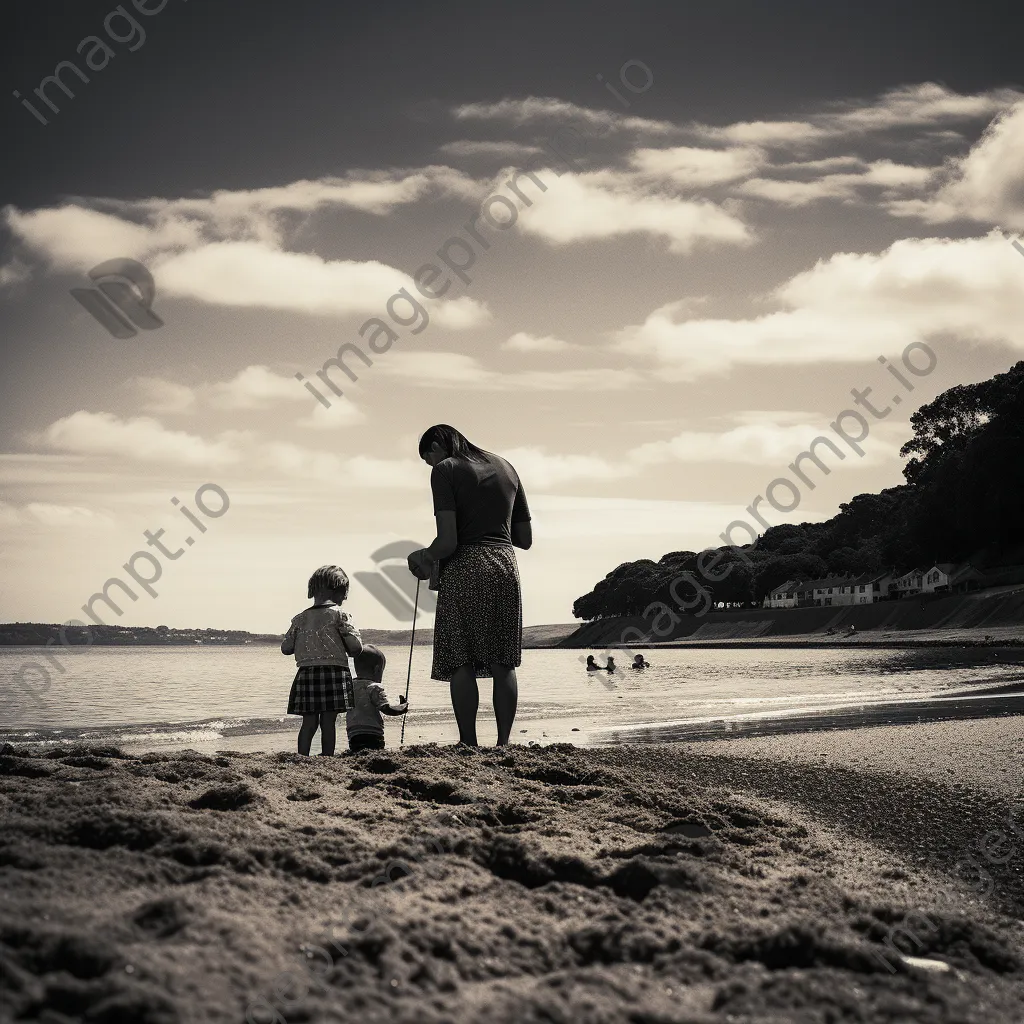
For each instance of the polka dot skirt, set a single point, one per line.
(479, 618)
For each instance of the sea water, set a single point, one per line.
(209, 698)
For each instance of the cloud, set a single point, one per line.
(986, 185)
(253, 211)
(571, 517)
(67, 515)
(252, 274)
(142, 438)
(542, 469)
(544, 109)
(696, 167)
(77, 238)
(760, 437)
(754, 437)
(849, 308)
(255, 387)
(456, 370)
(605, 204)
(37, 468)
(762, 133)
(523, 342)
(358, 470)
(884, 174)
(498, 150)
(164, 396)
(458, 314)
(923, 105)
(230, 248)
(14, 272)
(916, 105)
(79, 234)
(337, 416)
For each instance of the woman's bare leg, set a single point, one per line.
(465, 703)
(306, 732)
(506, 700)
(327, 732)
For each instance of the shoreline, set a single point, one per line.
(849, 717)
(999, 636)
(537, 723)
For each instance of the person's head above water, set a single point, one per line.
(441, 442)
(328, 583)
(590, 660)
(638, 659)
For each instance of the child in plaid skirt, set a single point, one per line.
(321, 638)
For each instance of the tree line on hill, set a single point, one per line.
(963, 500)
(39, 634)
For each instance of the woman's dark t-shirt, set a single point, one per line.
(486, 497)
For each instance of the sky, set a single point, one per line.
(736, 209)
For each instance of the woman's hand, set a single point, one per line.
(420, 564)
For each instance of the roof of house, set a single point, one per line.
(869, 577)
(789, 587)
(825, 583)
(945, 567)
(911, 572)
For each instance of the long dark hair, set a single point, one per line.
(453, 441)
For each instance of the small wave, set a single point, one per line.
(156, 733)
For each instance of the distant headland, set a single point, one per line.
(39, 634)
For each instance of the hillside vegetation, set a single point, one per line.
(963, 499)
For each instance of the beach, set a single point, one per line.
(757, 879)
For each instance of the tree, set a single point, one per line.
(964, 495)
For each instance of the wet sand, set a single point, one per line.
(983, 754)
(751, 880)
(1007, 701)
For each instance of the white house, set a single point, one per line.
(869, 588)
(783, 596)
(826, 591)
(938, 577)
(910, 583)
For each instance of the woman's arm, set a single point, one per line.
(522, 534)
(447, 539)
(522, 531)
(444, 544)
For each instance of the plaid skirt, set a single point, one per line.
(318, 688)
(479, 617)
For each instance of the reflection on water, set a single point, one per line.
(225, 697)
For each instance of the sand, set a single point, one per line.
(649, 884)
(983, 754)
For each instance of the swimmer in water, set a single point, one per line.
(639, 663)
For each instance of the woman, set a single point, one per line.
(481, 512)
